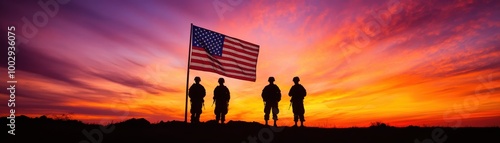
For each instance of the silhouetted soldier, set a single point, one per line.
(196, 93)
(297, 92)
(221, 99)
(271, 95)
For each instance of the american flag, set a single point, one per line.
(224, 55)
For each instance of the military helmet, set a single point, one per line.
(221, 80)
(197, 78)
(271, 79)
(296, 79)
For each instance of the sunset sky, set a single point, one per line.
(402, 62)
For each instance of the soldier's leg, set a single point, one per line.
(295, 125)
(295, 113)
(267, 110)
(198, 111)
(301, 112)
(301, 120)
(195, 118)
(217, 117)
(275, 112)
(222, 118)
(192, 110)
(223, 114)
(275, 118)
(295, 116)
(192, 118)
(198, 116)
(217, 113)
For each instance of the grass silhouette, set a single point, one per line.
(44, 129)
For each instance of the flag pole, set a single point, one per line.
(187, 78)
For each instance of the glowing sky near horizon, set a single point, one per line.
(401, 62)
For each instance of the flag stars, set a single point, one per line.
(211, 41)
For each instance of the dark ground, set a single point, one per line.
(42, 129)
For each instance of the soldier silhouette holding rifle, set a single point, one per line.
(196, 94)
(297, 93)
(271, 95)
(221, 99)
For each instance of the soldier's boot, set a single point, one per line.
(193, 119)
(266, 123)
(275, 123)
(295, 124)
(217, 118)
(301, 123)
(223, 118)
(197, 118)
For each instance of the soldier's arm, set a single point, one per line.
(305, 92)
(215, 93)
(190, 91)
(228, 94)
(203, 92)
(262, 95)
(290, 92)
(279, 93)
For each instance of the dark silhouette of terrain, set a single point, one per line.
(43, 129)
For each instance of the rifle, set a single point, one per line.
(290, 105)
